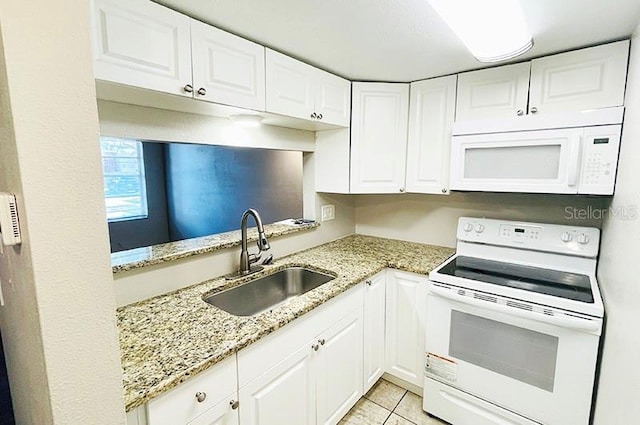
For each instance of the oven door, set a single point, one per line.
(541, 368)
(546, 161)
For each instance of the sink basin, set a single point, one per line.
(262, 294)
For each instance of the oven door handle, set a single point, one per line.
(565, 322)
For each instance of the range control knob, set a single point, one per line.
(479, 228)
(467, 227)
(583, 239)
(566, 237)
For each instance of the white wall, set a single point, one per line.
(58, 322)
(433, 219)
(619, 386)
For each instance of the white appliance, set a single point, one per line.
(575, 153)
(513, 325)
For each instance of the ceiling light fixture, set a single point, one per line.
(246, 120)
(493, 30)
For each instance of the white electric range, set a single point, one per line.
(513, 325)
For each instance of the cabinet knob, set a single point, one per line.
(444, 190)
(368, 282)
(402, 190)
(202, 91)
(234, 404)
(534, 110)
(201, 396)
(314, 116)
(319, 116)
(188, 88)
(315, 347)
(519, 112)
(321, 341)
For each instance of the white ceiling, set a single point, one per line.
(400, 40)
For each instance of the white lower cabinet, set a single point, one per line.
(405, 325)
(310, 373)
(374, 324)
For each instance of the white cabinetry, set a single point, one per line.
(320, 378)
(379, 137)
(579, 80)
(405, 325)
(568, 82)
(431, 113)
(299, 90)
(495, 93)
(142, 44)
(208, 398)
(227, 69)
(374, 323)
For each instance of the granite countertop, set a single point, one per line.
(167, 339)
(149, 255)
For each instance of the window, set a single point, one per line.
(124, 184)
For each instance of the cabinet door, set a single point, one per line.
(339, 369)
(493, 93)
(380, 112)
(285, 394)
(405, 325)
(221, 414)
(431, 111)
(332, 99)
(582, 79)
(230, 69)
(374, 318)
(142, 44)
(290, 86)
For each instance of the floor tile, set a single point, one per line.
(410, 408)
(397, 420)
(366, 412)
(385, 394)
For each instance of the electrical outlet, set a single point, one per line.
(328, 212)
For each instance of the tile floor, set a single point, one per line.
(388, 404)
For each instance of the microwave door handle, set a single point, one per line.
(565, 322)
(576, 144)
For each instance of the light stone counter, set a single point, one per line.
(167, 339)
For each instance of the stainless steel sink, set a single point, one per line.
(264, 293)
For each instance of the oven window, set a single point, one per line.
(567, 285)
(518, 353)
(513, 162)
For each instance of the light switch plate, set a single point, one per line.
(328, 212)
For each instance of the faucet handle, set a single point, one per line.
(253, 258)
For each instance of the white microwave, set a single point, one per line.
(579, 160)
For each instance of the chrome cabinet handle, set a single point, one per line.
(520, 112)
(234, 404)
(368, 282)
(321, 341)
(534, 110)
(402, 190)
(315, 347)
(319, 116)
(314, 116)
(444, 190)
(201, 396)
(188, 88)
(202, 91)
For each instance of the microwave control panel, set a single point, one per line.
(599, 160)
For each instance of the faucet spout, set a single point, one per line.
(247, 259)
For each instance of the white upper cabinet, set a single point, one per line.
(431, 113)
(379, 137)
(142, 44)
(579, 80)
(227, 69)
(500, 92)
(299, 90)
(568, 82)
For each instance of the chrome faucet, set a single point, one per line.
(246, 259)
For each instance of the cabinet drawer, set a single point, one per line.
(180, 405)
